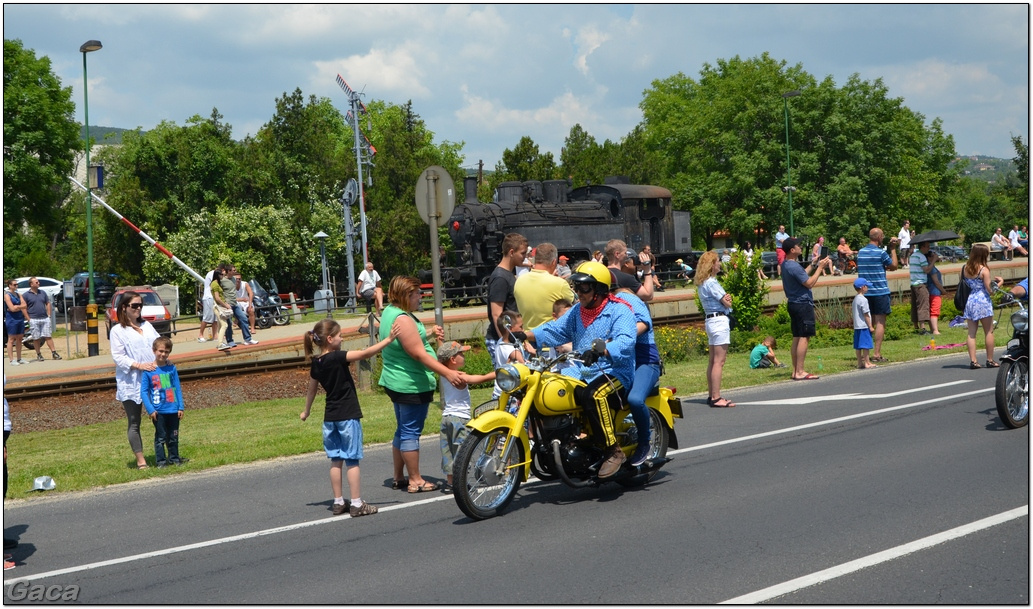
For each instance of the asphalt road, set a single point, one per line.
(895, 485)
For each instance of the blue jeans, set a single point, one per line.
(646, 377)
(490, 345)
(411, 418)
(242, 321)
(166, 433)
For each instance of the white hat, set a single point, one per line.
(43, 483)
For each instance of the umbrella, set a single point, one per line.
(935, 235)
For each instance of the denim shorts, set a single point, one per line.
(342, 440)
(15, 327)
(410, 418)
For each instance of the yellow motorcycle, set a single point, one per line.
(550, 436)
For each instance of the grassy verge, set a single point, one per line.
(98, 455)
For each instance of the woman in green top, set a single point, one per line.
(408, 379)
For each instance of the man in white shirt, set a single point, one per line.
(368, 286)
(1000, 243)
(905, 239)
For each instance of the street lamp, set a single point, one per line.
(789, 180)
(323, 296)
(92, 344)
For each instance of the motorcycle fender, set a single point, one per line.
(1015, 353)
(495, 419)
(662, 403)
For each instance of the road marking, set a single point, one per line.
(874, 559)
(850, 396)
(859, 415)
(312, 523)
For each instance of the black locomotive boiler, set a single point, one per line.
(577, 221)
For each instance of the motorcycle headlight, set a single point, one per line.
(508, 378)
(1020, 321)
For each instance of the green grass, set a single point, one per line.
(98, 455)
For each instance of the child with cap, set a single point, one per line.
(862, 324)
(455, 404)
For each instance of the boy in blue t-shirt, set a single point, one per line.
(163, 399)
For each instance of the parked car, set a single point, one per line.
(769, 260)
(49, 285)
(154, 309)
(103, 288)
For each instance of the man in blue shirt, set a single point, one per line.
(597, 314)
(797, 285)
(872, 264)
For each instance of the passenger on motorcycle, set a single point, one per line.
(597, 314)
(647, 370)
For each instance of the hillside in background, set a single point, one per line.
(991, 170)
(104, 136)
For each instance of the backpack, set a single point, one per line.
(961, 296)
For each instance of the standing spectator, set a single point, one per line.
(229, 294)
(1000, 243)
(816, 252)
(132, 343)
(905, 239)
(526, 264)
(246, 300)
(978, 309)
(456, 407)
(717, 304)
(597, 256)
(37, 304)
(222, 310)
(935, 285)
(616, 253)
(797, 286)
(862, 324)
(162, 396)
(562, 270)
(369, 287)
(342, 430)
(1013, 240)
(780, 238)
(408, 376)
(535, 291)
(14, 322)
(919, 267)
(646, 255)
(9, 544)
(748, 251)
(208, 316)
(872, 264)
(500, 290)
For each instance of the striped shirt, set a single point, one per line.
(871, 264)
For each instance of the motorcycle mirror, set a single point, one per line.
(272, 286)
(599, 346)
(506, 320)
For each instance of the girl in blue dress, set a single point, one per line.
(978, 309)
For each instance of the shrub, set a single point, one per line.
(747, 290)
(677, 344)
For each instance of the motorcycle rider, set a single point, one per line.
(597, 314)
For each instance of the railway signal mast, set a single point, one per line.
(364, 153)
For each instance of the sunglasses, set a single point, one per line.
(583, 288)
(136, 305)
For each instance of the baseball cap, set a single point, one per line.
(789, 244)
(564, 259)
(861, 282)
(449, 350)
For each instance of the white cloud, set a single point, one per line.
(395, 72)
(587, 40)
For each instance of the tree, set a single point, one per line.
(40, 140)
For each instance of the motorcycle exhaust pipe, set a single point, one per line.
(562, 473)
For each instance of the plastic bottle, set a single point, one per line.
(821, 365)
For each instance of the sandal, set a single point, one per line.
(974, 366)
(426, 487)
(399, 485)
(992, 364)
(721, 403)
(144, 466)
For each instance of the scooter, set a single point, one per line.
(269, 309)
(1012, 389)
(498, 454)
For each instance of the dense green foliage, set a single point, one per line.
(748, 291)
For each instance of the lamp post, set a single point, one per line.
(789, 180)
(92, 343)
(323, 296)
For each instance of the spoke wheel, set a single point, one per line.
(659, 438)
(1012, 393)
(484, 484)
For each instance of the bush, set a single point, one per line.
(747, 290)
(680, 344)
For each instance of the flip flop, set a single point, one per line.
(809, 377)
(426, 487)
(718, 403)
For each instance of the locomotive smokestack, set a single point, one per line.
(470, 187)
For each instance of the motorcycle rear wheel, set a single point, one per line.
(482, 485)
(1012, 393)
(659, 438)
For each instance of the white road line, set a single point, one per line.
(850, 396)
(874, 559)
(322, 521)
(859, 415)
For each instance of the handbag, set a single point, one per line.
(732, 321)
(961, 296)
(223, 313)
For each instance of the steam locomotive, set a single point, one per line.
(577, 221)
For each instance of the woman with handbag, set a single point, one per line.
(717, 306)
(978, 308)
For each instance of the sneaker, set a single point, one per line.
(251, 341)
(14, 363)
(55, 354)
(640, 456)
(202, 339)
(223, 347)
(611, 465)
(178, 461)
(40, 358)
(231, 344)
(162, 463)
(447, 489)
(8, 562)
(364, 510)
(22, 361)
(339, 508)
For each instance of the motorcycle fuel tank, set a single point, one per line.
(556, 395)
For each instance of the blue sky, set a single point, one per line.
(487, 75)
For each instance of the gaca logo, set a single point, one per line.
(24, 591)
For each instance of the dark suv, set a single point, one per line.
(103, 288)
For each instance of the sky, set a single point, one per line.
(487, 75)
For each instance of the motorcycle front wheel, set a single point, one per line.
(281, 319)
(482, 484)
(1012, 393)
(659, 439)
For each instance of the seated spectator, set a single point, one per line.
(1013, 240)
(1000, 243)
(763, 355)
